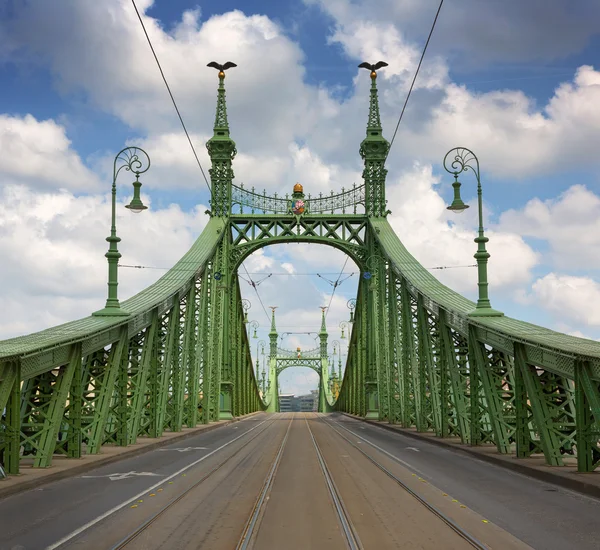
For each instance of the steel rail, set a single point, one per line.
(259, 506)
(140, 529)
(348, 528)
(454, 526)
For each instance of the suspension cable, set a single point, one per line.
(415, 77)
(171, 94)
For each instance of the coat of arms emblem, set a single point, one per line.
(298, 205)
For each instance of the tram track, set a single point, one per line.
(465, 535)
(250, 528)
(350, 533)
(131, 537)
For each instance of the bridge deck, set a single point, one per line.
(220, 475)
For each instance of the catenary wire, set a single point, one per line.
(253, 285)
(415, 77)
(171, 94)
(336, 285)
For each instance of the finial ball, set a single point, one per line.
(373, 74)
(298, 188)
(221, 74)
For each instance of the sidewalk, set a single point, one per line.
(63, 467)
(535, 466)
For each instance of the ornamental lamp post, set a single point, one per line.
(260, 344)
(254, 325)
(246, 305)
(343, 326)
(351, 305)
(129, 159)
(462, 161)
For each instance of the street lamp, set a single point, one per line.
(246, 305)
(130, 160)
(259, 344)
(254, 325)
(343, 326)
(351, 305)
(462, 162)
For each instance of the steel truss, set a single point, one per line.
(415, 357)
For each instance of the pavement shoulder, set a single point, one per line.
(564, 476)
(63, 467)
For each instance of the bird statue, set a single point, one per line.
(221, 68)
(373, 68)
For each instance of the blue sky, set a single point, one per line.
(518, 83)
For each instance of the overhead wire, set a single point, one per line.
(254, 286)
(171, 94)
(336, 285)
(415, 77)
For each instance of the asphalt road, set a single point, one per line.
(213, 481)
(545, 516)
(41, 517)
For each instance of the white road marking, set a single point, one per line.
(413, 449)
(119, 477)
(393, 457)
(139, 495)
(185, 449)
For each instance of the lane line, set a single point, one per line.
(390, 455)
(96, 520)
(451, 523)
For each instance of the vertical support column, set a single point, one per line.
(426, 363)
(587, 402)
(75, 435)
(450, 366)
(138, 402)
(474, 384)
(56, 410)
(107, 390)
(539, 408)
(153, 381)
(13, 418)
(224, 335)
(122, 412)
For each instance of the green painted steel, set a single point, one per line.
(418, 355)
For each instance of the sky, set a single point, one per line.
(516, 82)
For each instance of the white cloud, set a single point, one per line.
(54, 243)
(39, 154)
(570, 223)
(420, 218)
(569, 298)
(482, 32)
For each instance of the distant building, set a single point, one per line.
(289, 402)
(306, 403)
(286, 402)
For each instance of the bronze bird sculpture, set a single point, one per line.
(373, 68)
(221, 68)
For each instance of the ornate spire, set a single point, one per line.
(374, 123)
(373, 150)
(323, 324)
(221, 149)
(323, 335)
(221, 123)
(273, 325)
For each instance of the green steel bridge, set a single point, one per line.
(177, 353)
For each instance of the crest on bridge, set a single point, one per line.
(298, 205)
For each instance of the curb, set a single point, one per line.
(577, 485)
(85, 467)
